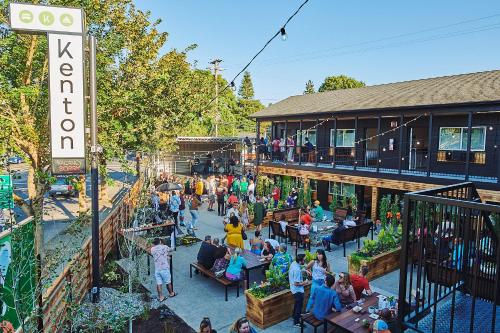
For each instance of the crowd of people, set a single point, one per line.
(233, 194)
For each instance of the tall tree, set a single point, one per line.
(309, 88)
(246, 88)
(340, 82)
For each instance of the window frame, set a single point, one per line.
(299, 134)
(344, 130)
(462, 129)
(340, 187)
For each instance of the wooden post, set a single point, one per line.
(355, 142)
(429, 146)
(301, 143)
(400, 162)
(334, 141)
(316, 145)
(374, 203)
(467, 156)
(378, 143)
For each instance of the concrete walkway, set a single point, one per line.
(201, 297)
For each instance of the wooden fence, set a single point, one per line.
(74, 283)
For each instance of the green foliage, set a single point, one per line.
(286, 186)
(246, 88)
(385, 204)
(264, 185)
(275, 281)
(309, 256)
(309, 88)
(340, 82)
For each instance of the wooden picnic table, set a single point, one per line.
(346, 319)
(253, 262)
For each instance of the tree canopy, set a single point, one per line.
(340, 82)
(246, 88)
(309, 88)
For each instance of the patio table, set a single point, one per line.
(253, 262)
(346, 319)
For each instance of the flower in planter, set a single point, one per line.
(389, 215)
(398, 215)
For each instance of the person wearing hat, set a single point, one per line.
(380, 326)
(318, 211)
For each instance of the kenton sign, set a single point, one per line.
(65, 31)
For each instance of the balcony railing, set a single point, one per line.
(450, 262)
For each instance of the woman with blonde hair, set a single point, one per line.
(237, 263)
(344, 289)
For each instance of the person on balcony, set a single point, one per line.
(282, 149)
(290, 144)
(309, 150)
(276, 149)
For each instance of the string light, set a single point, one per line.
(284, 36)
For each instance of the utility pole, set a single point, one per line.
(215, 67)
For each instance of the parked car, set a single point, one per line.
(62, 186)
(15, 160)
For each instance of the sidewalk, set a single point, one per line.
(201, 297)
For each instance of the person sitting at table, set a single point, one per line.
(206, 326)
(268, 251)
(256, 243)
(304, 232)
(360, 282)
(282, 260)
(318, 211)
(349, 223)
(237, 263)
(206, 253)
(336, 234)
(379, 326)
(305, 217)
(344, 288)
(274, 243)
(283, 222)
(234, 230)
(324, 300)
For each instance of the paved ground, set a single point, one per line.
(200, 297)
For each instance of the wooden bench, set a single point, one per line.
(309, 319)
(340, 215)
(222, 280)
(345, 236)
(363, 230)
(291, 216)
(295, 237)
(277, 231)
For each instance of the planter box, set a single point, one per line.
(266, 312)
(379, 265)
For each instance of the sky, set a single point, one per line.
(376, 42)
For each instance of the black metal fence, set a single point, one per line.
(450, 264)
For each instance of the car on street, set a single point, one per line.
(63, 187)
(15, 160)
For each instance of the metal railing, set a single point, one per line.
(450, 262)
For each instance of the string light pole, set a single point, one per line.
(215, 67)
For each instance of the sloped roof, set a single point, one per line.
(456, 89)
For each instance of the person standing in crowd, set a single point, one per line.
(236, 187)
(188, 186)
(276, 196)
(289, 200)
(251, 186)
(221, 209)
(283, 150)
(297, 287)
(155, 201)
(291, 145)
(194, 204)
(174, 204)
(199, 188)
(242, 326)
(161, 253)
(360, 282)
(206, 326)
(245, 216)
(344, 289)
(295, 197)
(211, 193)
(251, 198)
(248, 144)
(230, 179)
(182, 208)
(318, 270)
(233, 211)
(324, 299)
(234, 230)
(243, 188)
(259, 212)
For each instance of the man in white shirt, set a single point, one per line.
(233, 210)
(349, 223)
(274, 243)
(161, 253)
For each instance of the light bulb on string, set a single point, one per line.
(233, 86)
(284, 36)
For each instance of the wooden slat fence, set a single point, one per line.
(74, 283)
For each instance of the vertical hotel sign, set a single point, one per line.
(65, 32)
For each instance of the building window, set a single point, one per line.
(345, 137)
(342, 189)
(455, 138)
(302, 135)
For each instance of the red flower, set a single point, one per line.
(398, 215)
(6, 327)
(389, 215)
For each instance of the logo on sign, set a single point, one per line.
(46, 18)
(66, 20)
(26, 16)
